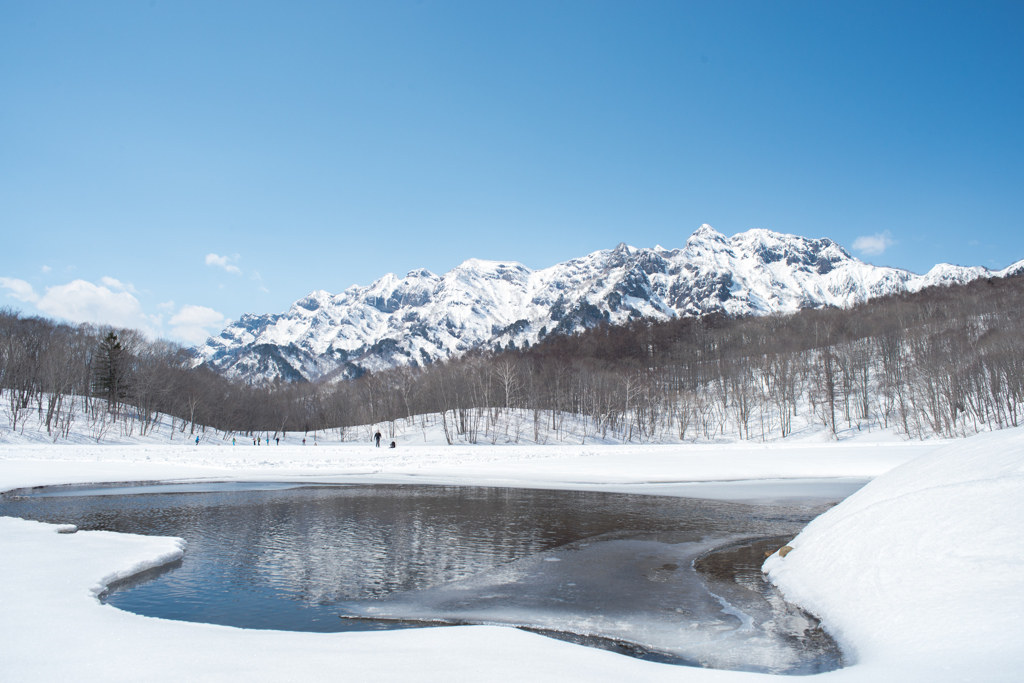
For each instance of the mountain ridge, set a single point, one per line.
(425, 317)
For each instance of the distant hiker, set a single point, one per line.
(392, 444)
(278, 440)
(303, 441)
(259, 440)
(232, 441)
(376, 437)
(197, 440)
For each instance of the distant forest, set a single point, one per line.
(945, 361)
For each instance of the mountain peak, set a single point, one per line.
(425, 317)
(706, 232)
(419, 273)
(313, 301)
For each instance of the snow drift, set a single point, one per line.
(918, 574)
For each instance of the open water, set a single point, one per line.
(670, 579)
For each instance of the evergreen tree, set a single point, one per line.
(108, 366)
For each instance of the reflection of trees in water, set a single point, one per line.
(372, 545)
(321, 546)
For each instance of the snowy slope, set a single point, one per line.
(424, 317)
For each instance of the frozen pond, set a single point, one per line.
(673, 579)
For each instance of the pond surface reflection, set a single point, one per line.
(612, 570)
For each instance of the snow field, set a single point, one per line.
(918, 575)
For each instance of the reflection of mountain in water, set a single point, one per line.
(592, 564)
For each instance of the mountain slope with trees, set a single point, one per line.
(424, 318)
(945, 361)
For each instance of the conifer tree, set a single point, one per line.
(108, 365)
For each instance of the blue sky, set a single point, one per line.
(172, 165)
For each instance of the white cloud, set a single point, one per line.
(873, 245)
(46, 269)
(224, 262)
(19, 289)
(117, 285)
(84, 302)
(197, 315)
(113, 302)
(190, 323)
(259, 278)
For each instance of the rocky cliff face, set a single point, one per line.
(424, 317)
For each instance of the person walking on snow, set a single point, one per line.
(376, 437)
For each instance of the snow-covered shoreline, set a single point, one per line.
(911, 574)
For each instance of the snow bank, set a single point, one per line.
(655, 469)
(920, 574)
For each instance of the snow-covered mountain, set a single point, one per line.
(424, 317)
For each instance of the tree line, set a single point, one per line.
(947, 361)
